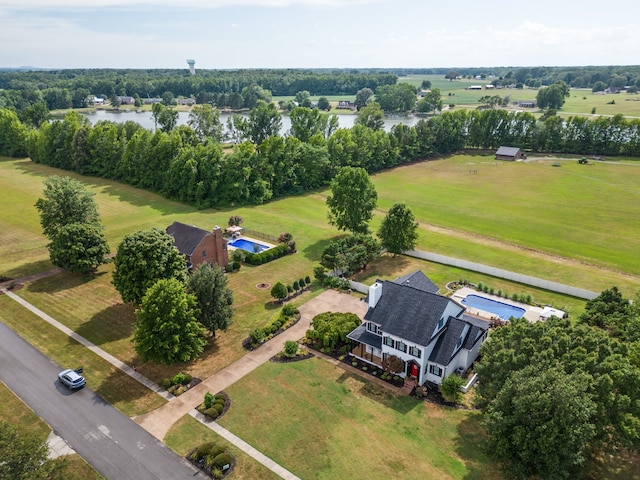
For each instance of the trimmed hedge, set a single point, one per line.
(266, 256)
(278, 322)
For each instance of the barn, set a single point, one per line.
(510, 153)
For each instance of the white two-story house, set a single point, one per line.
(430, 333)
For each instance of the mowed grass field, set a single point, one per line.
(505, 215)
(321, 422)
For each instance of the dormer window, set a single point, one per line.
(440, 324)
(459, 342)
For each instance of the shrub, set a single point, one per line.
(354, 363)
(289, 310)
(236, 266)
(222, 459)
(296, 286)
(266, 256)
(212, 413)
(180, 390)
(289, 289)
(302, 283)
(166, 383)
(181, 378)
(238, 255)
(257, 336)
(499, 292)
(515, 297)
(220, 401)
(290, 348)
(203, 450)
(491, 290)
(485, 289)
(480, 286)
(209, 400)
(529, 299)
(450, 388)
(218, 408)
(307, 280)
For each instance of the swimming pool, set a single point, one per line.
(248, 245)
(503, 310)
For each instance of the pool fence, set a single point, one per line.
(260, 235)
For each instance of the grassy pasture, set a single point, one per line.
(320, 422)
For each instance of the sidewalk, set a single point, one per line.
(160, 420)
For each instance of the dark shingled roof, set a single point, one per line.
(186, 237)
(407, 312)
(418, 280)
(361, 335)
(446, 344)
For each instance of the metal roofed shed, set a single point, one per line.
(510, 153)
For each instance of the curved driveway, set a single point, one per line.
(114, 444)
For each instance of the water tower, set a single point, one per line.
(192, 66)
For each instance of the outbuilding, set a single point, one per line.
(510, 153)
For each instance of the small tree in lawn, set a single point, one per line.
(279, 291)
(167, 330)
(450, 388)
(289, 289)
(290, 348)
(307, 280)
(399, 229)
(302, 283)
(296, 286)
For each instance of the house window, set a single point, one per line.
(401, 346)
(204, 254)
(372, 327)
(459, 343)
(388, 341)
(435, 370)
(440, 324)
(415, 351)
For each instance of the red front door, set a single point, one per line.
(414, 370)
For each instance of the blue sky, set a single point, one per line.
(223, 34)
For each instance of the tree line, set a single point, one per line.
(63, 89)
(185, 164)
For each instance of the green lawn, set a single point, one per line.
(188, 433)
(14, 411)
(320, 422)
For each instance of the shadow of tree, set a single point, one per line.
(313, 251)
(113, 323)
(470, 448)
(30, 269)
(61, 281)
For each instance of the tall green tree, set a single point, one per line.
(399, 229)
(13, 135)
(371, 116)
(307, 122)
(363, 97)
(352, 200)
(166, 328)
(205, 120)
(164, 117)
(65, 201)
(214, 298)
(540, 423)
(143, 258)
(553, 96)
(79, 247)
(430, 102)
(399, 98)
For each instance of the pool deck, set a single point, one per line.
(250, 239)
(531, 313)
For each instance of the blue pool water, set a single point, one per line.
(503, 310)
(247, 245)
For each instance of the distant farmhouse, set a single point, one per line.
(199, 245)
(510, 153)
(346, 105)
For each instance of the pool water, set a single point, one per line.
(502, 310)
(248, 245)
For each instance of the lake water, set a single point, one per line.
(146, 120)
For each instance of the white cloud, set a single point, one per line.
(199, 4)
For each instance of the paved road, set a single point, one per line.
(115, 445)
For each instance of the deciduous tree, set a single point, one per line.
(399, 229)
(371, 116)
(166, 328)
(352, 200)
(214, 298)
(79, 247)
(205, 120)
(143, 258)
(279, 291)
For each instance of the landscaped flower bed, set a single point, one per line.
(286, 318)
(179, 383)
(214, 406)
(215, 460)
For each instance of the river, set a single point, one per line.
(145, 119)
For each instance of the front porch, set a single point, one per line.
(361, 353)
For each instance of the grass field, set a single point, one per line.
(580, 101)
(14, 411)
(321, 422)
(188, 433)
(574, 224)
